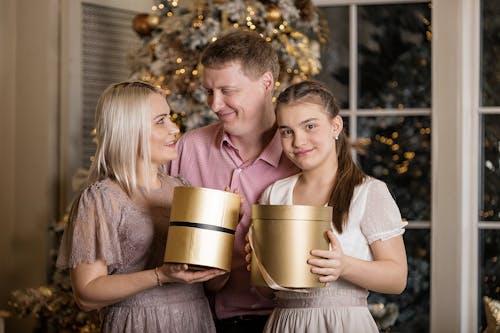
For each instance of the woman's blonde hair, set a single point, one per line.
(123, 128)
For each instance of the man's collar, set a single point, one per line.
(271, 153)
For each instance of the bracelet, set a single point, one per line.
(158, 282)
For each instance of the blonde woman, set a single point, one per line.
(115, 241)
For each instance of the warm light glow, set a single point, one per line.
(409, 155)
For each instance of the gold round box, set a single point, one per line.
(202, 226)
(282, 238)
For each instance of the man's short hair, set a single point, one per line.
(248, 48)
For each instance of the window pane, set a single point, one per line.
(489, 266)
(335, 55)
(394, 56)
(490, 67)
(490, 209)
(397, 151)
(345, 120)
(413, 303)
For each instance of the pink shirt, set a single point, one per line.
(208, 158)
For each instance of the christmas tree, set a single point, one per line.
(173, 38)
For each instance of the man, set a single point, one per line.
(241, 152)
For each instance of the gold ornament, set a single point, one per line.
(492, 310)
(140, 24)
(197, 22)
(273, 14)
(296, 79)
(153, 20)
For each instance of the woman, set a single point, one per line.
(115, 241)
(367, 250)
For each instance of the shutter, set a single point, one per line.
(107, 39)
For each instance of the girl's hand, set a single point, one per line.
(330, 264)
(248, 253)
(242, 201)
(181, 273)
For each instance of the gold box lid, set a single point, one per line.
(205, 205)
(292, 212)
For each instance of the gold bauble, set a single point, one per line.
(296, 79)
(197, 22)
(140, 24)
(153, 20)
(273, 14)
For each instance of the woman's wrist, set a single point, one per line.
(159, 282)
(160, 277)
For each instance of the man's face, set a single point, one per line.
(237, 100)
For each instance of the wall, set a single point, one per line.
(28, 144)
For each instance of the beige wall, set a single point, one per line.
(28, 144)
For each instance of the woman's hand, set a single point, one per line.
(330, 264)
(181, 273)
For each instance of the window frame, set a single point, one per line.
(455, 152)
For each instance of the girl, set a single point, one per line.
(115, 240)
(367, 250)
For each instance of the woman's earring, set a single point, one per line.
(336, 137)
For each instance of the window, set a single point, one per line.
(464, 232)
(489, 188)
(378, 64)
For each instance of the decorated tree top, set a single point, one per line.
(174, 37)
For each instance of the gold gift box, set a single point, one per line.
(283, 237)
(202, 226)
